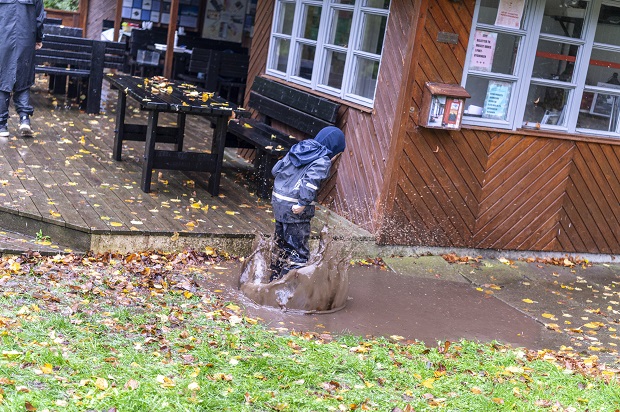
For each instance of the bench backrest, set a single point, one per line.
(115, 54)
(298, 109)
(234, 66)
(202, 60)
(64, 50)
(62, 30)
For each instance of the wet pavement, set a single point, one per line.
(532, 305)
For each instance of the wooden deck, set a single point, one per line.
(63, 183)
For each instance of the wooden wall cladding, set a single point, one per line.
(505, 191)
(489, 189)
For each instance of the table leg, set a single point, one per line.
(217, 147)
(120, 125)
(149, 151)
(180, 131)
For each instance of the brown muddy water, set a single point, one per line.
(379, 302)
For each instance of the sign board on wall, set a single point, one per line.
(224, 20)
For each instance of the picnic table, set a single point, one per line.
(158, 95)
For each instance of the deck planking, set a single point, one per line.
(65, 175)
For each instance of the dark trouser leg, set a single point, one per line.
(21, 99)
(279, 252)
(291, 241)
(4, 106)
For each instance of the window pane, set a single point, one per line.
(564, 18)
(312, 19)
(603, 68)
(494, 52)
(344, 1)
(334, 69)
(372, 33)
(365, 78)
(282, 47)
(554, 61)
(607, 27)
(489, 98)
(545, 105)
(599, 112)
(488, 13)
(306, 61)
(378, 4)
(340, 28)
(284, 24)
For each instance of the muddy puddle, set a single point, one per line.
(321, 286)
(383, 303)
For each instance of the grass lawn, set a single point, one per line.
(134, 333)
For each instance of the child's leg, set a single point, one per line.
(279, 253)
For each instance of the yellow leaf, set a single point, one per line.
(105, 218)
(528, 300)
(428, 383)
(188, 294)
(594, 325)
(175, 237)
(55, 214)
(476, 390)
(193, 386)
(116, 224)
(47, 368)
(230, 212)
(548, 316)
(15, 267)
(101, 384)
(514, 369)
(197, 205)
(209, 251)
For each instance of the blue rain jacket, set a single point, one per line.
(22, 26)
(299, 174)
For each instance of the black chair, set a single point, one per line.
(233, 75)
(202, 64)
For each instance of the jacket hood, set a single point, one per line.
(307, 151)
(333, 139)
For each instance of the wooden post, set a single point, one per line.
(172, 28)
(117, 18)
(83, 24)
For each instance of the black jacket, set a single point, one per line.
(298, 176)
(21, 23)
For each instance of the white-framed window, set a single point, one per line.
(545, 64)
(333, 46)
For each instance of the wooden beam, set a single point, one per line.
(172, 27)
(117, 19)
(83, 9)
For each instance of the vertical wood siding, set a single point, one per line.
(98, 11)
(490, 189)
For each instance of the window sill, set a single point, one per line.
(343, 102)
(548, 134)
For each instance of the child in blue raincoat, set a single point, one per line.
(298, 176)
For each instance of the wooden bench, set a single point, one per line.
(202, 61)
(275, 101)
(66, 56)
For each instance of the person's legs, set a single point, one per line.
(4, 113)
(296, 236)
(21, 99)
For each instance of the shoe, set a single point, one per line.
(24, 126)
(4, 130)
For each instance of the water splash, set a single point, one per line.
(319, 287)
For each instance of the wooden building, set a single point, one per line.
(539, 171)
